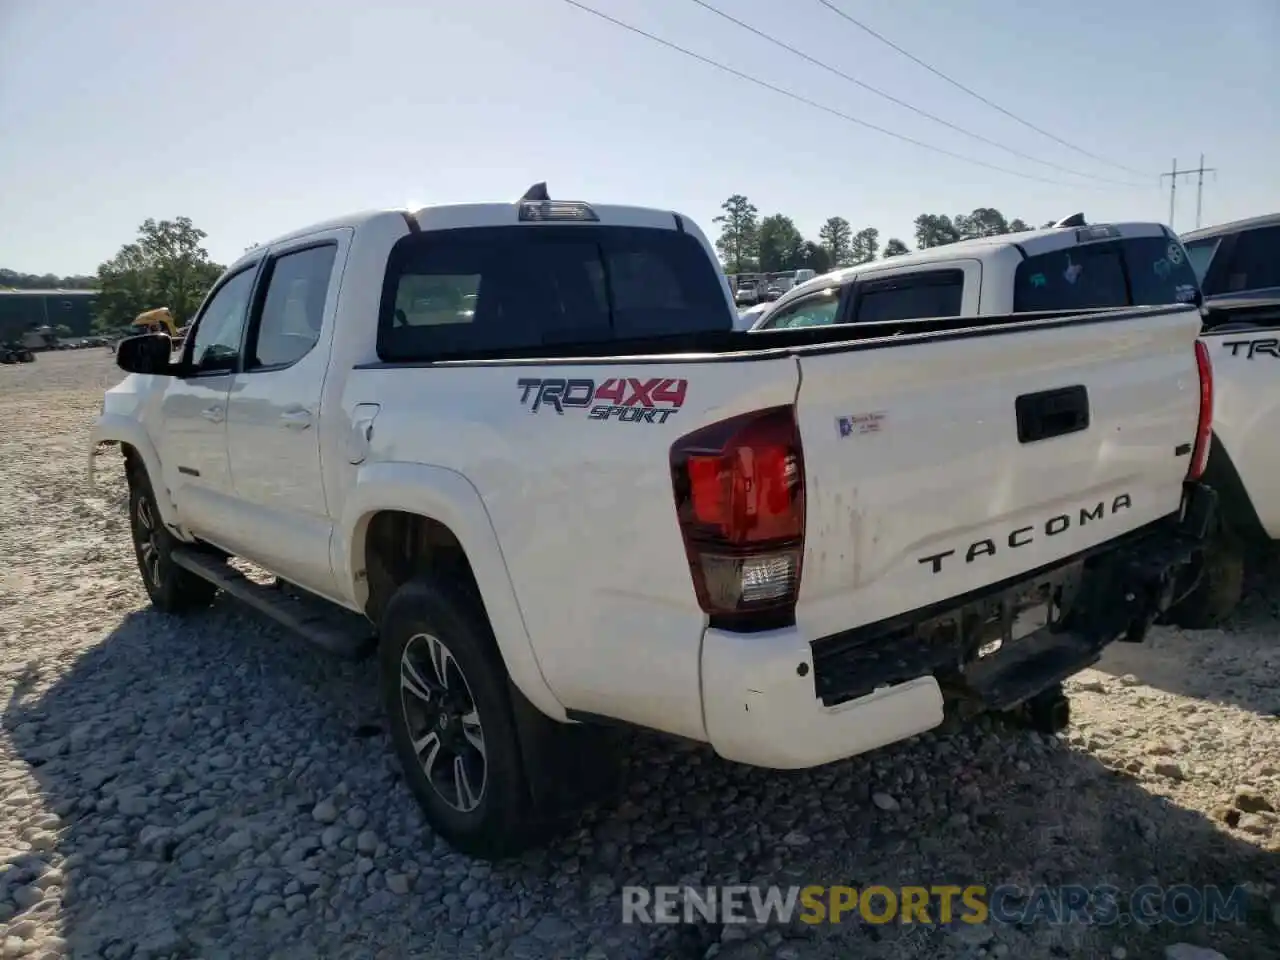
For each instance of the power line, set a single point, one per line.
(902, 103)
(973, 93)
(819, 106)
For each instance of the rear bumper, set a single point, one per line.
(760, 708)
(781, 699)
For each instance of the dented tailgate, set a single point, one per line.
(939, 466)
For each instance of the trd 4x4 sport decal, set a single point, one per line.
(628, 399)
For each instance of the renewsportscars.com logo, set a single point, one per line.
(626, 399)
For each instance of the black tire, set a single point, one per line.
(1218, 592)
(171, 588)
(423, 618)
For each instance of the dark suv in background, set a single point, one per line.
(1239, 260)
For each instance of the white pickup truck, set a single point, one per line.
(524, 442)
(1241, 337)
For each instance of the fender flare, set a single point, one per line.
(115, 428)
(449, 498)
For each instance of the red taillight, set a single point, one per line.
(1204, 427)
(739, 490)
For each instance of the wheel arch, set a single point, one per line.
(441, 514)
(138, 451)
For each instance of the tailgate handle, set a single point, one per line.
(1052, 413)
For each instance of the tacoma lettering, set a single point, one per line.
(1020, 537)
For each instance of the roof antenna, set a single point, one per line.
(536, 194)
(1075, 220)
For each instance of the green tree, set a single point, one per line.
(935, 230)
(62, 330)
(983, 222)
(865, 245)
(895, 248)
(14, 280)
(740, 234)
(835, 235)
(780, 244)
(816, 257)
(1018, 226)
(166, 266)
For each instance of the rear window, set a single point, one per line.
(1143, 271)
(492, 289)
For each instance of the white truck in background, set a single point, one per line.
(523, 441)
(1241, 339)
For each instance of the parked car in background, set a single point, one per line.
(1237, 259)
(746, 293)
(748, 317)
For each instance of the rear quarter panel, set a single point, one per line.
(584, 512)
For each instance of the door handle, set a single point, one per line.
(296, 419)
(212, 414)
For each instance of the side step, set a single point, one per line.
(331, 628)
(1029, 666)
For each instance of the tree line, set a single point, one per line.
(13, 280)
(749, 243)
(166, 265)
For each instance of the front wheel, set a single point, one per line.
(171, 588)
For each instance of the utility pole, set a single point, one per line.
(1173, 175)
(1173, 188)
(1200, 185)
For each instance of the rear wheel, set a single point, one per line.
(445, 692)
(171, 588)
(1218, 591)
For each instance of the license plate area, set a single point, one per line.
(1019, 616)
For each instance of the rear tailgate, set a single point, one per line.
(920, 488)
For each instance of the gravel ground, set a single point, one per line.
(214, 788)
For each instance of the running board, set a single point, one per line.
(317, 621)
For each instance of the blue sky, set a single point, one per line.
(257, 118)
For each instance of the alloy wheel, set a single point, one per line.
(147, 537)
(443, 722)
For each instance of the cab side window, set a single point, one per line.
(292, 311)
(1255, 262)
(215, 348)
(911, 296)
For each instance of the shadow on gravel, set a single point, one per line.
(185, 761)
(1237, 664)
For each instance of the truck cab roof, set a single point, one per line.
(1020, 245)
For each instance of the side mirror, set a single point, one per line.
(146, 353)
